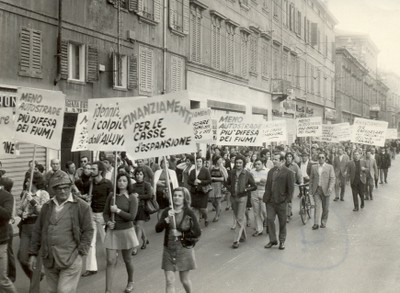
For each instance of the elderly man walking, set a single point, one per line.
(62, 233)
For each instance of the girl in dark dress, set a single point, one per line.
(175, 256)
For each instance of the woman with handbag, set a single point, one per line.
(144, 192)
(160, 185)
(178, 222)
(218, 177)
(120, 233)
(200, 187)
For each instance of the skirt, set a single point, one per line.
(142, 215)
(178, 258)
(199, 200)
(216, 192)
(121, 239)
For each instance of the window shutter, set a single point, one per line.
(64, 59)
(149, 70)
(133, 5)
(172, 12)
(133, 72)
(157, 10)
(114, 75)
(92, 64)
(185, 17)
(174, 77)
(140, 7)
(36, 53)
(142, 69)
(25, 49)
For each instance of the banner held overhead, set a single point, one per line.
(309, 127)
(7, 125)
(40, 117)
(371, 132)
(81, 133)
(202, 125)
(158, 126)
(275, 131)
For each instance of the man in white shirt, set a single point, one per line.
(340, 163)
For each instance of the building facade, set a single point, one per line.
(393, 99)
(360, 90)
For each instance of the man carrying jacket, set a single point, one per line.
(240, 183)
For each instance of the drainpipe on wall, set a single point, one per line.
(165, 6)
(59, 39)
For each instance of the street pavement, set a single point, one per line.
(356, 252)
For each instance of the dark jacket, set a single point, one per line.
(6, 208)
(246, 183)
(351, 167)
(187, 212)
(383, 161)
(204, 176)
(282, 191)
(82, 231)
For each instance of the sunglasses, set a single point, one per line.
(321, 157)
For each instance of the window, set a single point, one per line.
(179, 16)
(177, 73)
(230, 48)
(266, 6)
(265, 59)
(76, 62)
(244, 48)
(216, 41)
(146, 56)
(285, 13)
(253, 54)
(120, 70)
(292, 17)
(285, 65)
(276, 66)
(30, 53)
(298, 31)
(195, 32)
(148, 10)
(244, 3)
(276, 9)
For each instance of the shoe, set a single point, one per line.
(216, 219)
(381, 182)
(341, 199)
(323, 226)
(372, 198)
(362, 206)
(315, 227)
(366, 198)
(88, 273)
(227, 208)
(129, 287)
(235, 244)
(134, 251)
(242, 239)
(257, 234)
(270, 244)
(282, 245)
(248, 225)
(355, 210)
(145, 244)
(206, 223)
(336, 199)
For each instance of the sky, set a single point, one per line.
(378, 18)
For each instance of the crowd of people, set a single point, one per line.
(61, 212)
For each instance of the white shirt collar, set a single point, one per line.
(69, 199)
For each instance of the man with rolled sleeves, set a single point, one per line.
(62, 233)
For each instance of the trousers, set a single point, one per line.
(6, 286)
(239, 212)
(321, 210)
(357, 189)
(97, 222)
(273, 210)
(259, 210)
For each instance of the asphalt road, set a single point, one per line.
(357, 252)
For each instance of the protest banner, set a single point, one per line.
(309, 127)
(391, 133)
(80, 142)
(104, 128)
(40, 117)
(157, 126)
(328, 133)
(239, 130)
(343, 131)
(371, 132)
(7, 126)
(202, 125)
(275, 131)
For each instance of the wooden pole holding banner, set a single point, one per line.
(32, 169)
(115, 185)
(169, 191)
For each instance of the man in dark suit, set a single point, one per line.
(340, 166)
(358, 178)
(278, 192)
(372, 174)
(322, 182)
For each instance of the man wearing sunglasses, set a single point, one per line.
(322, 184)
(358, 178)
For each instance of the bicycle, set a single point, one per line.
(305, 203)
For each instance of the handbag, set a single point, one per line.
(206, 188)
(187, 238)
(151, 206)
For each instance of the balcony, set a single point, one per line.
(280, 86)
